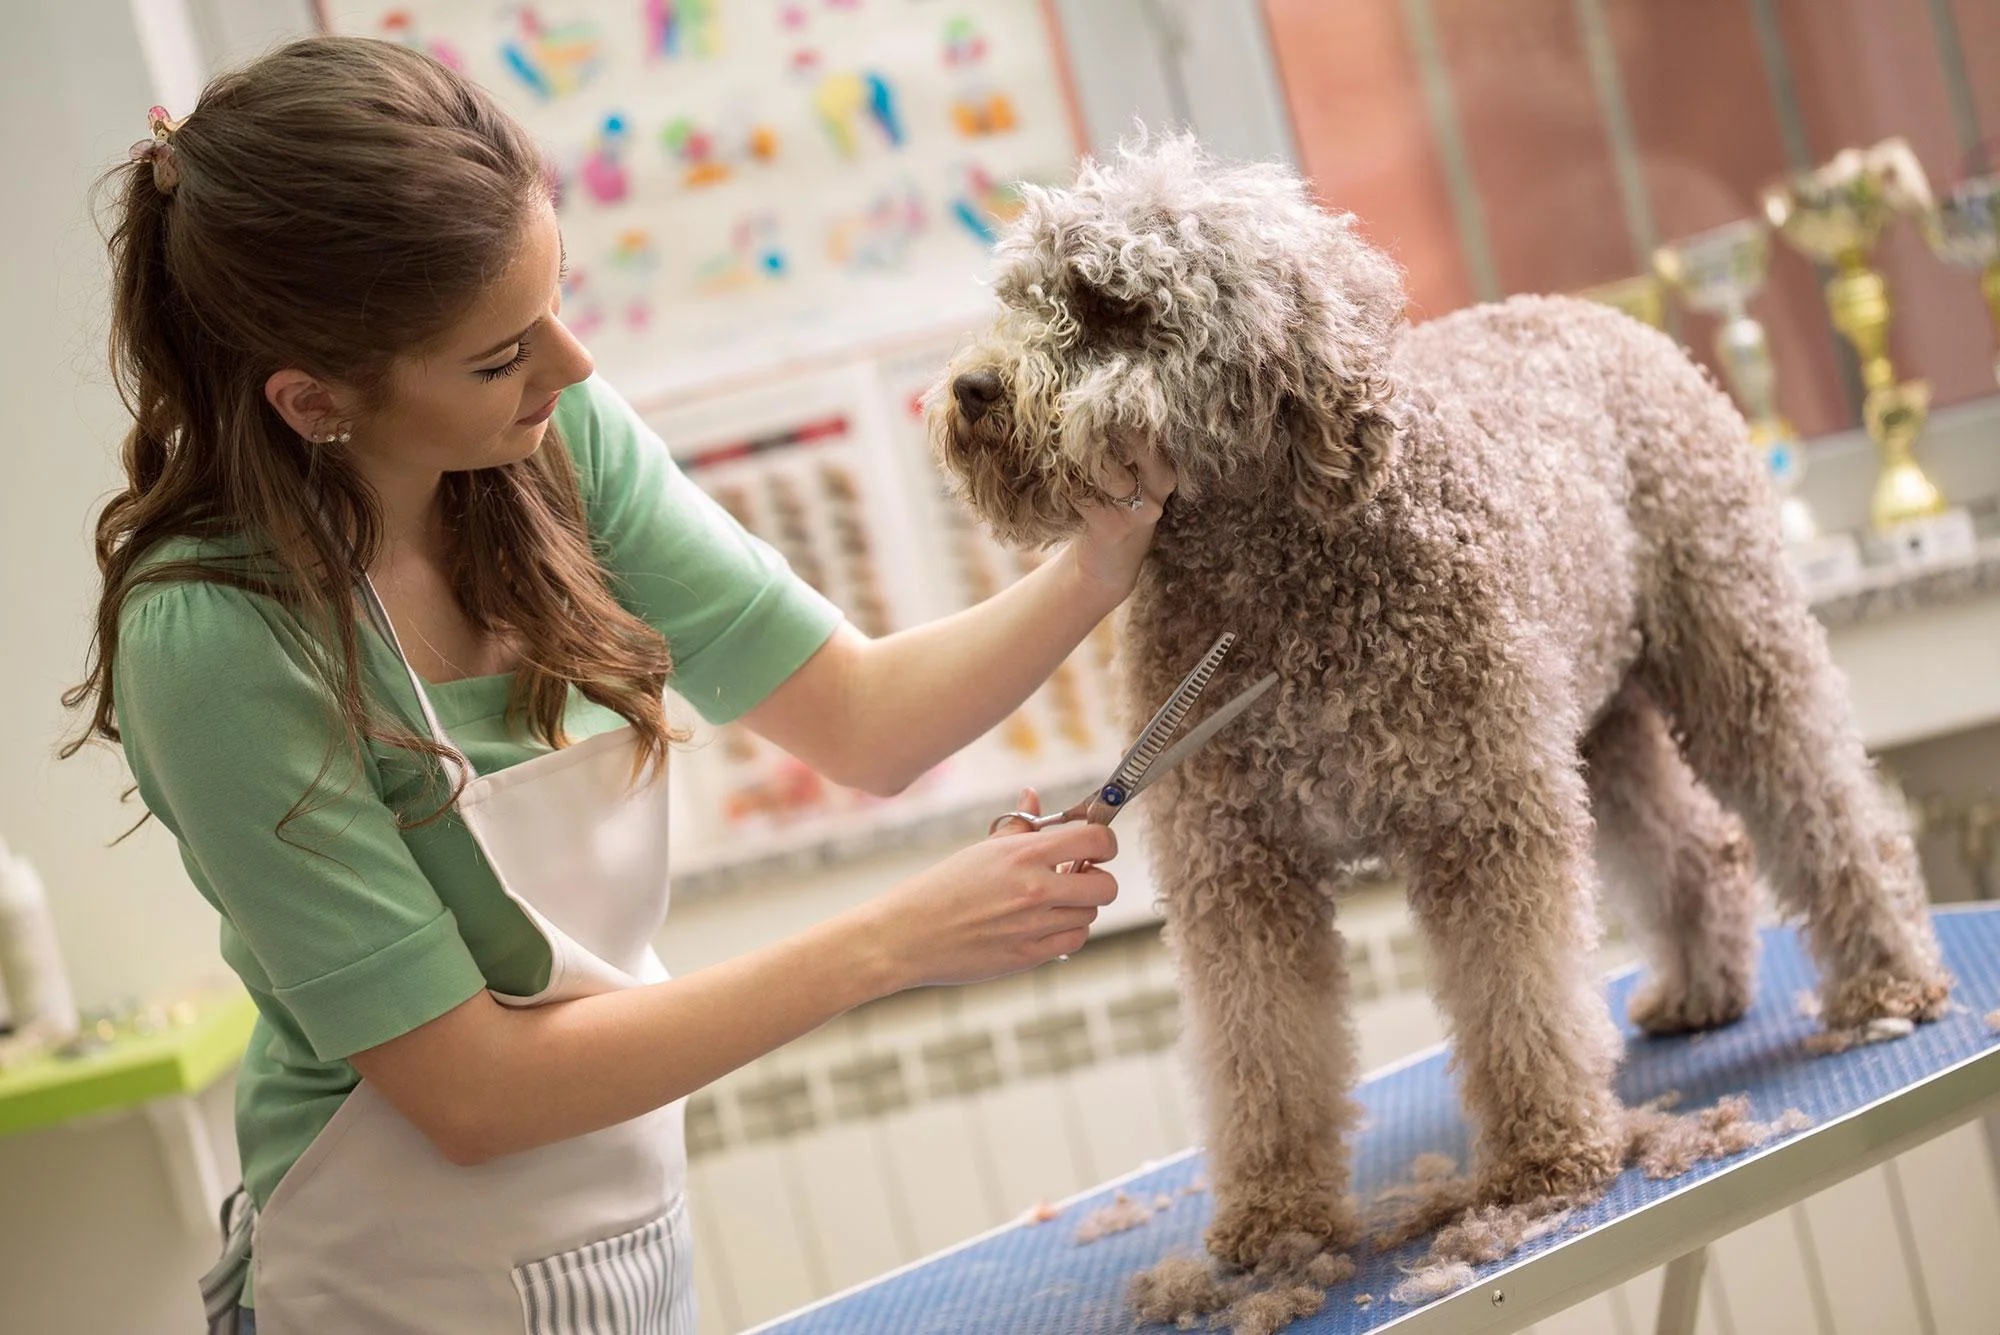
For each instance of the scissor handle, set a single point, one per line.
(1027, 818)
(1099, 808)
(1093, 808)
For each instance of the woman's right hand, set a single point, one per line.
(995, 908)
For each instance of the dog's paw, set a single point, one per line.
(1579, 1173)
(1276, 1230)
(1686, 1005)
(1882, 995)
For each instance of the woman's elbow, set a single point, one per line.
(463, 1138)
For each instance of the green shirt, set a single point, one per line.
(351, 930)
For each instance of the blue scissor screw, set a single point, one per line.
(1113, 795)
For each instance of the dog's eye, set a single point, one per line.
(1093, 307)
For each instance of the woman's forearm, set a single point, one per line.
(486, 1080)
(921, 694)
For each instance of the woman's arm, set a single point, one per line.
(484, 1080)
(876, 714)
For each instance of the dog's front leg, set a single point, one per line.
(1502, 895)
(1271, 1040)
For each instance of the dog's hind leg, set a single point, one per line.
(1678, 866)
(1739, 663)
(1501, 890)
(1270, 1036)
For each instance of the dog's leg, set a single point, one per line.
(1679, 867)
(1504, 900)
(1270, 1036)
(1743, 669)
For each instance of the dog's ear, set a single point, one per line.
(1339, 412)
(1340, 438)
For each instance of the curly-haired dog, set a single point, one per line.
(1490, 557)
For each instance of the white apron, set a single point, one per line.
(373, 1232)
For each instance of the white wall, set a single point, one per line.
(74, 89)
(89, 1238)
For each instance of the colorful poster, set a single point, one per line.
(747, 183)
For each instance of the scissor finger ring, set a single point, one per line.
(1027, 818)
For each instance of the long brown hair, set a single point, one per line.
(333, 206)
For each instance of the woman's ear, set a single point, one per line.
(306, 404)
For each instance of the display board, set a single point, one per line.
(746, 183)
(833, 469)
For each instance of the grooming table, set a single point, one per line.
(1869, 1104)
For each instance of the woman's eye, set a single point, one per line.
(492, 373)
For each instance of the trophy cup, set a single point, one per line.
(1639, 297)
(1834, 214)
(1717, 272)
(1965, 230)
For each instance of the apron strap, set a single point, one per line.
(378, 616)
(222, 1286)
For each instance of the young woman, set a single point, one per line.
(390, 602)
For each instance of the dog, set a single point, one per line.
(1519, 572)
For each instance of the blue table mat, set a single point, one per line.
(1036, 1277)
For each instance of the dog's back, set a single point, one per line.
(1587, 444)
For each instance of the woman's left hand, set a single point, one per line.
(1117, 531)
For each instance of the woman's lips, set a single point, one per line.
(543, 413)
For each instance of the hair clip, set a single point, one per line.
(159, 149)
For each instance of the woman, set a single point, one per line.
(390, 600)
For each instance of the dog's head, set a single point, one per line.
(1212, 309)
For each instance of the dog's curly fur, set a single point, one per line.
(1519, 572)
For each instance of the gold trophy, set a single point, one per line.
(1835, 214)
(1965, 230)
(1639, 297)
(1717, 272)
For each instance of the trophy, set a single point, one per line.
(1639, 297)
(1717, 272)
(1965, 230)
(1834, 214)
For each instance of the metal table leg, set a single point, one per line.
(1680, 1296)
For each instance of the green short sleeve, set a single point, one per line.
(735, 617)
(225, 728)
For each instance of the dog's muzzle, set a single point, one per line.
(976, 393)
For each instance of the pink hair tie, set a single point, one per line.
(159, 150)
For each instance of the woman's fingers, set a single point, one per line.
(1116, 482)
(1093, 887)
(1156, 474)
(1031, 804)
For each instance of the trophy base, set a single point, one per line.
(1796, 522)
(1827, 565)
(1929, 543)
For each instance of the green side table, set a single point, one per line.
(161, 1074)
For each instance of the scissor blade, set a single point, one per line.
(1156, 734)
(1204, 731)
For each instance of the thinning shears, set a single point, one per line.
(1151, 756)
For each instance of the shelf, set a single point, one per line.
(133, 1070)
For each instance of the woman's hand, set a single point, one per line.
(1116, 535)
(995, 908)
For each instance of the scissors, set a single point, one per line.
(1151, 756)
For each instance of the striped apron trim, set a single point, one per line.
(634, 1283)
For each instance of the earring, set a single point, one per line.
(345, 434)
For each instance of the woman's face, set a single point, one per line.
(483, 394)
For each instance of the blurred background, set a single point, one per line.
(778, 215)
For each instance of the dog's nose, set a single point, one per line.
(976, 391)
